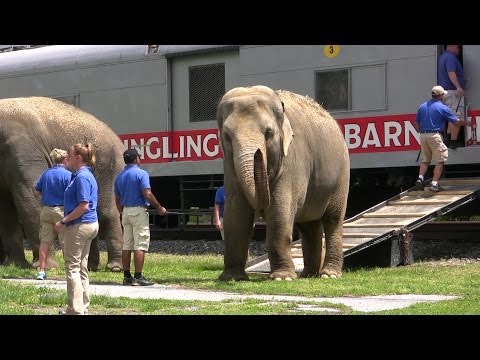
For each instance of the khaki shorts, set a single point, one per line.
(136, 228)
(49, 216)
(433, 147)
(454, 102)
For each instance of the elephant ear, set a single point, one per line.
(287, 134)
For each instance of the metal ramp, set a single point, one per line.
(379, 236)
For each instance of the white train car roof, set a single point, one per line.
(61, 57)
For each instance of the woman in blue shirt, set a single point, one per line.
(81, 226)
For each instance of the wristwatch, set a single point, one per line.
(62, 222)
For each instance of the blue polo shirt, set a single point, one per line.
(446, 63)
(52, 184)
(129, 185)
(83, 187)
(220, 199)
(432, 115)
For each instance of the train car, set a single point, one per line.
(162, 100)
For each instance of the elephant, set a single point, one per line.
(286, 159)
(30, 127)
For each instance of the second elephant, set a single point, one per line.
(29, 129)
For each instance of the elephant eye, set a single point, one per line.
(226, 137)
(268, 134)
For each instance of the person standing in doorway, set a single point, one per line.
(218, 209)
(50, 188)
(81, 226)
(451, 78)
(133, 195)
(430, 123)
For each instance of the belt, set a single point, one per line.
(430, 132)
(53, 205)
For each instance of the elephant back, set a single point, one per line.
(51, 123)
(309, 115)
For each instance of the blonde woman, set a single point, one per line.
(81, 226)
(50, 187)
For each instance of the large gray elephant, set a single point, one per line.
(30, 128)
(284, 157)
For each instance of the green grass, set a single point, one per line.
(202, 271)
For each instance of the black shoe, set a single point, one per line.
(419, 185)
(454, 144)
(128, 281)
(141, 282)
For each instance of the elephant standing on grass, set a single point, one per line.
(29, 129)
(285, 157)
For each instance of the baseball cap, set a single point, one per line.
(438, 90)
(130, 155)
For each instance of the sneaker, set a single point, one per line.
(435, 188)
(128, 281)
(41, 275)
(141, 282)
(419, 184)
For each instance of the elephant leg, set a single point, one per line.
(28, 213)
(94, 255)
(333, 263)
(11, 235)
(238, 230)
(279, 247)
(111, 231)
(280, 220)
(3, 256)
(312, 235)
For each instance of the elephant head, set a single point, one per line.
(255, 135)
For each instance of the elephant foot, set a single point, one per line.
(230, 275)
(51, 264)
(114, 266)
(283, 275)
(21, 263)
(330, 273)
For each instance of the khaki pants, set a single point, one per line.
(78, 238)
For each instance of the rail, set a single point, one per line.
(182, 219)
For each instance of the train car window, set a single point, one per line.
(206, 88)
(358, 88)
(331, 89)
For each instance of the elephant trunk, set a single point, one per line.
(251, 170)
(261, 181)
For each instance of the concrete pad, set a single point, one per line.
(169, 292)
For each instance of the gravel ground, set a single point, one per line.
(190, 247)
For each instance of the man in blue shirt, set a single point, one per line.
(218, 209)
(133, 195)
(430, 123)
(451, 78)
